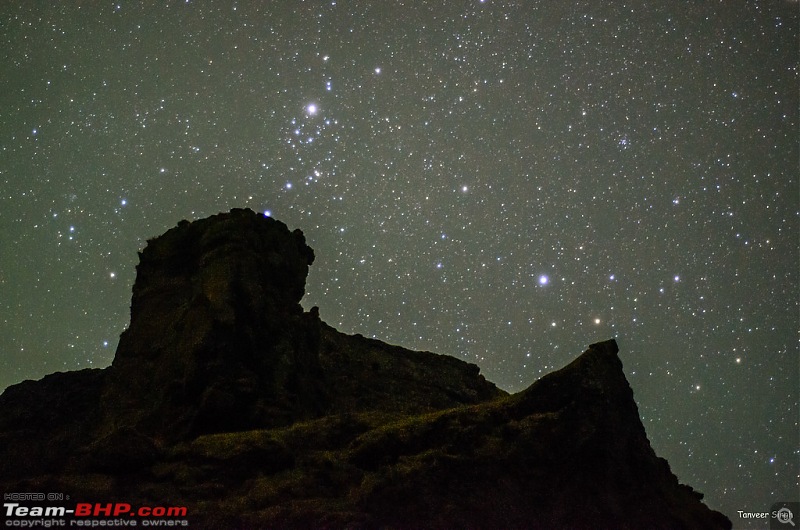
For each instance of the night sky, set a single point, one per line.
(504, 182)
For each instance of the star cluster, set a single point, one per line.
(502, 182)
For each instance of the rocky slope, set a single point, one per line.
(226, 397)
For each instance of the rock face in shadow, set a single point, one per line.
(226, 397)
(218, 340)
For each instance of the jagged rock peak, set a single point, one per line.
(239, 254)
(216, 320)
(218, 341)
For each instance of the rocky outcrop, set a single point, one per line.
(218, 340)
(225, 396)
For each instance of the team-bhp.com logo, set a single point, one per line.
(93, 515)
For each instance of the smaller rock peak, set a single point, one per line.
(608, 347)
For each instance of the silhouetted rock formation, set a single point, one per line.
(227, 397)
(218, 340)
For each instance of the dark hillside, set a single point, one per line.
(229, 399)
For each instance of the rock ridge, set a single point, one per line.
(229, 398)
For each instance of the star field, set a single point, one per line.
(502, 182)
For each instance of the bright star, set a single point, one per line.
(543, 279)
(312, 109)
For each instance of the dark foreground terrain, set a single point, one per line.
(229, 399)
